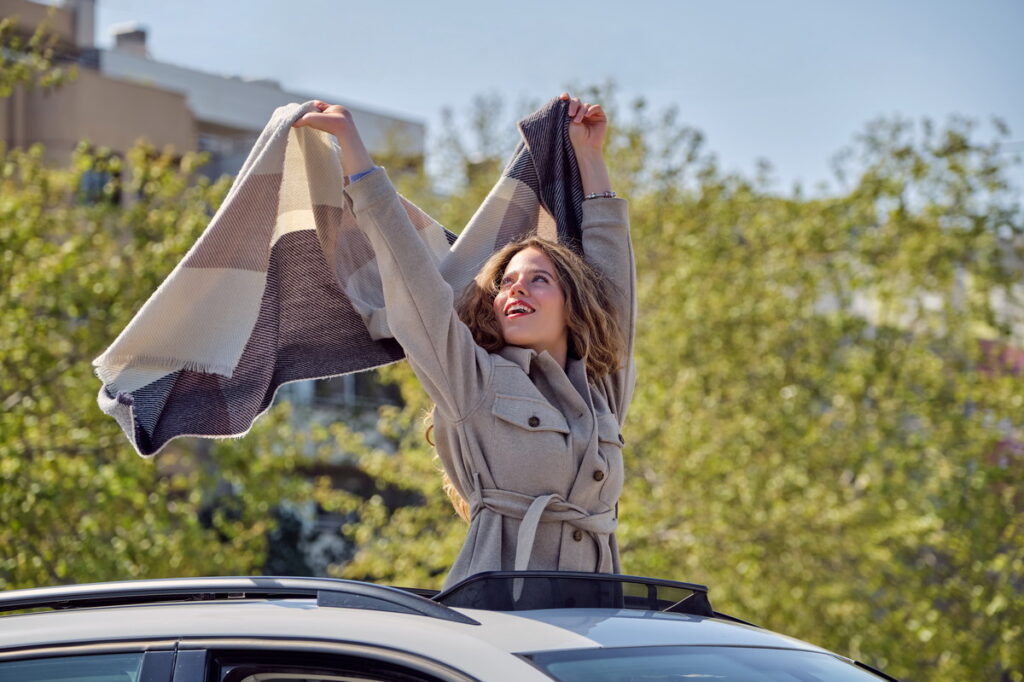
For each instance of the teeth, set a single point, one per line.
(518, 309)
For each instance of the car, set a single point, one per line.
(500, 625)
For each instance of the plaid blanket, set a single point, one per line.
(282, 285)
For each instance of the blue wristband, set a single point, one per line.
(355, 177)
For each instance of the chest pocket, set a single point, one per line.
(529, 414)
(530, 447)
(608, 430)
(610, 444)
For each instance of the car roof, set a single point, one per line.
(489, 617)
(509, 632)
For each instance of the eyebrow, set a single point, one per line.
(535, 270)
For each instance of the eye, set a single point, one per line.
(542, 278)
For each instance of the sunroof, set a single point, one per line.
(526, 590)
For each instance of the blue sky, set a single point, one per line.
(791, 81)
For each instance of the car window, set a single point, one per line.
(719, 663)
(289, 667)
(93, 668)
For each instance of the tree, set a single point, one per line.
(815, 430)
(817, 434)
(30, 62)
(77, 504)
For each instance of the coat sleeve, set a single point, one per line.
(608, 248)
(453, 369)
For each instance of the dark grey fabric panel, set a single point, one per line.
(306, 328)
(548, 154)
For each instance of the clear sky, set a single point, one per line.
(791, 81)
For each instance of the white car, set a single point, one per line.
(521, 626)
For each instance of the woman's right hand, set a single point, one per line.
(330, 118)
(337, 120)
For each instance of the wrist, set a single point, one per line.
(590, 155)
(593, 174)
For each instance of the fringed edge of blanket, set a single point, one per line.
(109, 368)
(121, 407)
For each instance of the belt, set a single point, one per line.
(532, 510)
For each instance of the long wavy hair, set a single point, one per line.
(595, 336)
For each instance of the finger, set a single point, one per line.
(574, 106)
(564, 95)
(309, 118)
(581, 112)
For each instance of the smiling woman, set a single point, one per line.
(530, 305)
(531, 371)
(538, 294)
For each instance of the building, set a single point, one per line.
(124, 94)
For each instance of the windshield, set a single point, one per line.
(690, 663)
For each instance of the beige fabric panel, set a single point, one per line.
(293, 221)
(222, 303)
(312, 172)
(322, 157)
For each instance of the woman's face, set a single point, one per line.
(530, 305)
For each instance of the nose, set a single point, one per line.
(519, 287)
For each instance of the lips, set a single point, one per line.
(517, 308)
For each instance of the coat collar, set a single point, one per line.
(524, 358)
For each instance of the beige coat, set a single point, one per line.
(537, 451)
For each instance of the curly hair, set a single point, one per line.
(594, 333)
(595, 336)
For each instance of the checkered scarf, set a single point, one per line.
(283, 285)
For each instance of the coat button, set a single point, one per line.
(621, 439)
(533, 421)
(598, 475)
(577, 535)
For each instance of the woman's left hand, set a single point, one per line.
(587, 125)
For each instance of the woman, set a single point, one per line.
(531, 372)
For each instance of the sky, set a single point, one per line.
(790, 81)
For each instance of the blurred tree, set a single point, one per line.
(816, 434)
(76, 503)
(30, 61)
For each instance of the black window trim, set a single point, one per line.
(416, 662)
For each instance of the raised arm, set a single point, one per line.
(419, 302)
(606, 241)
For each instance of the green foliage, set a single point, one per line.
(30, 62)
(77, 504)
(813, 435)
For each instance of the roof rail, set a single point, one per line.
(525, 590)
(328, 592)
